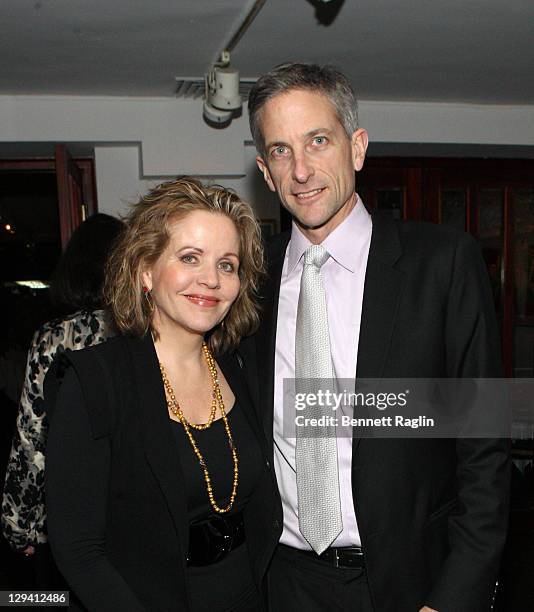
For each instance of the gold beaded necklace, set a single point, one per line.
(217, 400)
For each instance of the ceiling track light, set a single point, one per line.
(222, 100)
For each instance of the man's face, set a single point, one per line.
(309, 160)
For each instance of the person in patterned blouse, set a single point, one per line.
(75, 292)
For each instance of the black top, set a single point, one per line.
(228, 584)
(118, 517)
(213, 445)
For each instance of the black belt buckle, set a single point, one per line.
(335, 560)
(347, 557)
(210, 541)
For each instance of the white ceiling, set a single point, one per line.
(478, 51)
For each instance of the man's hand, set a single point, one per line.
(427, 609)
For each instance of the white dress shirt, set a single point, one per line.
(344, 276)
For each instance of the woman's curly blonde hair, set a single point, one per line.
(146, 236)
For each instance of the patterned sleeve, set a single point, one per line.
(23, 503)
(23, 510)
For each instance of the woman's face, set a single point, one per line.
(195, 280)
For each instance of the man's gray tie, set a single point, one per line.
(319, 503)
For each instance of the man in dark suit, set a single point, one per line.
(414, 524)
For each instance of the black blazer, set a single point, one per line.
(432, 514)
(117, 515)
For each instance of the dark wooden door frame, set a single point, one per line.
(69, 193)
(86, 168)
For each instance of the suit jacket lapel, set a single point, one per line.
(160, 448)
(234, 368)
(266, 335)
(382, 290)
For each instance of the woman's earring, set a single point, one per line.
(148, 298)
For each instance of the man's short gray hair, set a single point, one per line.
(325, 80)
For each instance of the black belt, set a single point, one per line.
(347, 556)
(210, 541)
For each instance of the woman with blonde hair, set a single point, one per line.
(159, 488)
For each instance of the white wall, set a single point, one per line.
(448, 123)
(171, 132)
(118, 178)
(119, 181)
(138, 141)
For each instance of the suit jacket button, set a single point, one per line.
(276, 524)
(268, 464)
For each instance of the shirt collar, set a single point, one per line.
(345, 244)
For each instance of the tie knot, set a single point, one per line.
(315, 255)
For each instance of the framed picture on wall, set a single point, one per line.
(269, 227)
